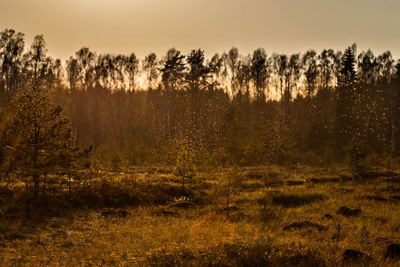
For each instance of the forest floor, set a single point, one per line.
(276, 217)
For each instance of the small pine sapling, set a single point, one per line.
(233, 179)
(184, 168)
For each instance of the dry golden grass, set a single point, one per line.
(201, 233)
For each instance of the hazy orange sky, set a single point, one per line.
(144, 26)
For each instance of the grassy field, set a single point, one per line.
(276, 217)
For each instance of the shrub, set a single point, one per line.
(295, 182)
(324, 180)
(296, 200)
(356, 157)
(184, 168)
(254, 174)
(251, 185)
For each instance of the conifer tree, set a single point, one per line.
(346, 95)
(39, 137)
(198, 74)
(348, 72)
(184, 168)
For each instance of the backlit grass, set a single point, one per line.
(161, 233)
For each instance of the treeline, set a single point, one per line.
(310, 108)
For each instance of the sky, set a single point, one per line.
(145, 26)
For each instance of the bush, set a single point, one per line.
(254, 174)
(356, 157)
(295, 182)
(250, 185)
(184, 168)
(296, 200)
(324, 180)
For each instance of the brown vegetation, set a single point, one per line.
(286, 160)
(146, 220)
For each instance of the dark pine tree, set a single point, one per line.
(345, 98)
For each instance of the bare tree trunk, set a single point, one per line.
(27, 200)
(69, 185)
(36, 188)
(392, 127)
(44, 186)
(183, 186)
(228, 196)
(388, 175)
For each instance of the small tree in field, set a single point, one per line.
(72, 160)
(356, 154)
(233, 179)
(39, 138)
(184, 168)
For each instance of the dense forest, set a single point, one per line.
(257, 109)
